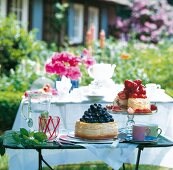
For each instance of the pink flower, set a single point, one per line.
(144, 38)
(89, 61)
(49, 68)
(73, 73)
(74, 61)
(65, 57)
(60, 68)
(66, 64)
(55, 57)
(86, 52)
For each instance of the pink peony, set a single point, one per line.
(86, 52)
(74, 61)
(49, 68)
(66, 64)
(89, 61)
(65, 57)
(73, 73)
(55, 57)
(60, 68)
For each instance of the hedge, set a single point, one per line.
(9, 103)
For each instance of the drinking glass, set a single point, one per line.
(50, 126)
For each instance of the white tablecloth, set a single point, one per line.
(70, 112)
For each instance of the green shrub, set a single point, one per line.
(22, 57)
(9, 103)
(16, 44)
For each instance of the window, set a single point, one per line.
(93, 19)
(20, 9)
(3, 8)
(76, 15)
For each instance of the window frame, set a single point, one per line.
(24, 9)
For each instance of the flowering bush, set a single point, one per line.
(67, 64)
(121, 27)
(150, 21)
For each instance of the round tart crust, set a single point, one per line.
(96, 130)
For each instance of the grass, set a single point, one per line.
(86, 166)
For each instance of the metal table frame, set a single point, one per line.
(162, 142)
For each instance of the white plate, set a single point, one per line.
(72, 138)
(94, 97)
(148, 140)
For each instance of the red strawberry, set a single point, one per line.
(136, 91)
(142, 90)
(141, 86)
(116, 108)
(122, 95)
(134, 95)
(135, 85)
(153, 107)
(129, 84)
(142, 111)
(138, 82)
(109, 107)
(143, 96)
(126, 84)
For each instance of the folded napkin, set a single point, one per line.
(63, 87)
(114, 156)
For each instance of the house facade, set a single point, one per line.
(81, 15)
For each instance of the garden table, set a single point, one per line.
(162, 142)
(69, 112)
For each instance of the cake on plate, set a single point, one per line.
(134, 97)
(96, 123)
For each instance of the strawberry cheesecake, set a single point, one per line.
(133, 96)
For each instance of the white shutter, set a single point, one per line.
(93, 19)
(3, 8)
(77, 28)
(25, 13)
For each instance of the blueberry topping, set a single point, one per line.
(96, 114)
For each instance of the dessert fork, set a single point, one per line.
(63, 142)
(121, 138)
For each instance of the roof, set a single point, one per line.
(121, 2)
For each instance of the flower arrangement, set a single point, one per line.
(67, 64)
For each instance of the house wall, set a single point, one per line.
(45, 23)
(49, 34)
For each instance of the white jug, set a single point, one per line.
(37, 104)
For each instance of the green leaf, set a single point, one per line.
(26, 137)
(40, 136)
(23, 131)
(16, 138)
(36, 142)
(31, 134)
(2, 150)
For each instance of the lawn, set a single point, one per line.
(86, 166)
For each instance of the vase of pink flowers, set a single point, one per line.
(68, 65)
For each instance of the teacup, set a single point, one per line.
(153, 86)
(155, 131)
(140, 132)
